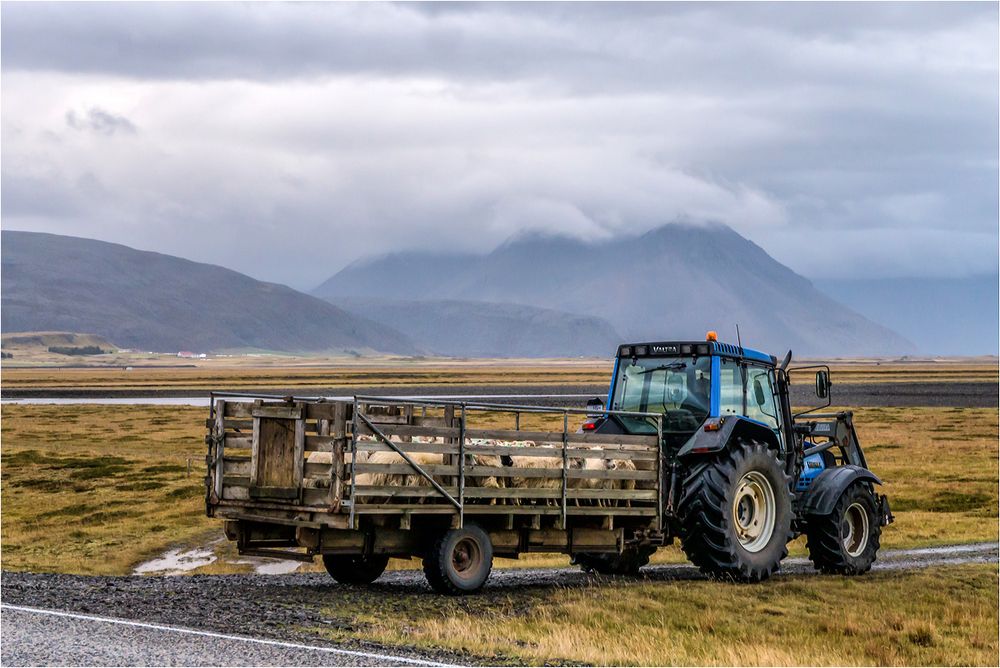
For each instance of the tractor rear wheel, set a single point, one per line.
(847, 540)
(355, 569)
(736, 513)
(459, 561)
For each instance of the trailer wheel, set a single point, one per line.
(355, 569)
(736, 513)
(846, 541)
(459, 561)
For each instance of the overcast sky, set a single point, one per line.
(286, 141)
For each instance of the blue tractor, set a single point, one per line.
(747, 475)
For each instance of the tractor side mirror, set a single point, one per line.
(758, 392)
(595, 407)
(822, 384)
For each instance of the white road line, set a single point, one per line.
(395, 660)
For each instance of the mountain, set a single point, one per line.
(674, 282)
(479, 329)
(942, 316)
(159, 302)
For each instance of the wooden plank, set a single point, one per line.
(298, 453)
(234, 441)
(556, 437)
(237, 467)
(411, 430)
(274, 492)
(320, 443)
(237, 409)
(513, 450)
(236, 480)
(230, 423)
(220, 449)
(340, 444)
(440, 448)
(394, 491)
(573, 453)
(282, 412)
(472, 471)
(321, 410)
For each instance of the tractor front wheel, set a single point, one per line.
(736, 513)
(846, 541)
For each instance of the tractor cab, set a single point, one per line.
(692, 384)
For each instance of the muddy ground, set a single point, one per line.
(910, 394)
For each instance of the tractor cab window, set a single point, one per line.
(677, 388)
(760, 397)
(730, 387)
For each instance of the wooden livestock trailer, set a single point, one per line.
(451, 482)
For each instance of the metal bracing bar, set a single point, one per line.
(354, 459)
(659, 474)
(416, 467)
(461, 470)
(517, 421)
(504, 408)
(565, 465)
(819, 448)
(257, 395)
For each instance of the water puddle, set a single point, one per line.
(181, 561)
(177, 562)
(271, 566)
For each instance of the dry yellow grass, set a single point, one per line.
(944, 616)
(207, 377)
(97, 489)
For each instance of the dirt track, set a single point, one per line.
(285, 607)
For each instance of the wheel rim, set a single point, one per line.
(754, 510)
(466, 558)
(854, 529)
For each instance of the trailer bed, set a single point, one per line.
(295, 477)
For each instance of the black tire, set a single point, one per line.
(846, 541)
(627, 563)
(355, 569)
(459, 561)
(724, 530)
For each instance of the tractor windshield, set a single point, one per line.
(678, 388)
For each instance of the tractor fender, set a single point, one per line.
(730, 428)
(826, 488)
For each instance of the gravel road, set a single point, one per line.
(279, 608)
(35, 637)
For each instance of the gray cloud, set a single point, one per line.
(100, 121)
(286, 140)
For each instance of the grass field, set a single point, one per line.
(944, 616)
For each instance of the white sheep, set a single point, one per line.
(601, 464)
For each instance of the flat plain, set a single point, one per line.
(100, 489)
